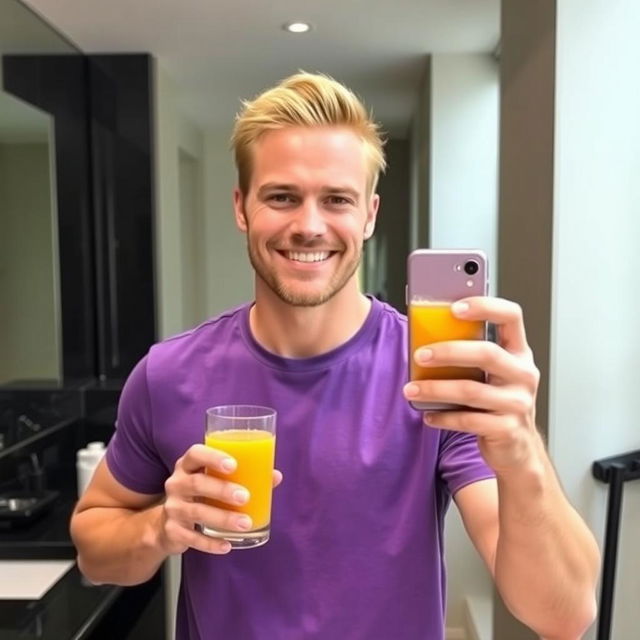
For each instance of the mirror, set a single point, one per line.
(440, 159)
(30, 325)
(30, 310)
(30, 320)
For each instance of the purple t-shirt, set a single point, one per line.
(356, 548)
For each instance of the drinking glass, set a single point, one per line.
(248, 434)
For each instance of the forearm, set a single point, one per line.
(118, 546)
(547, 561)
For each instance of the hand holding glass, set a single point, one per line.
(248, 434)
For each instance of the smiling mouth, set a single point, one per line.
(307, 256)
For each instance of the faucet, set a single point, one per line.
(31, 475)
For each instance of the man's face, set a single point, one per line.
(307, 212)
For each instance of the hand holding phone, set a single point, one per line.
(436, 279)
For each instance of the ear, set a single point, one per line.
(372, 215)
(238, 209)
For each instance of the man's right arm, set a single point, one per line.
(122, 537)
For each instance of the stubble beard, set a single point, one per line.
(299, 298)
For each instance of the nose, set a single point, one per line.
(308, 221)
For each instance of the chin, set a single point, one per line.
(304, 297)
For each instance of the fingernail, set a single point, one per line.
(460, 308)
(228, 464)
(240, 496)
(424, 355)
(225, 547)
(244, 523)
(411, 390)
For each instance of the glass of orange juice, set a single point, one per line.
(248, 434)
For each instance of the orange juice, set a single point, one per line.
(433, 322)
(254, 451)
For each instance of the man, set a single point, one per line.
(357, 530)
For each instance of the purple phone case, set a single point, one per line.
(438, 275)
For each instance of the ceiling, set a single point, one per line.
(218, 52)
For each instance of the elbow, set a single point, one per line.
(583, 619)
(86, 571)
(97, 575)
(573, 624)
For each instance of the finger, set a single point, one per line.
(199, 455)
(277, 478)
(206, 486)
(506, 315)
(480, 354)
(486, 425)
(201, 513)
(201, 542)
(469, 393)
(207, 544)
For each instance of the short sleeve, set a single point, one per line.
(131, 455)
(460, 462)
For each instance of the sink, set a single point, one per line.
(30, 579)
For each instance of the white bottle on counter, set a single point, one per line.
(86, 462)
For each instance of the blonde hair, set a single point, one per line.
(307, 100)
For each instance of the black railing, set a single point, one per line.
(615, 471)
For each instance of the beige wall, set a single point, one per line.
(194, 286)
(420, 167)
(526, 195)
(464, 154)
(167, 225)
(29, 318)
(180, 211)
(229, 274)
(594, 402)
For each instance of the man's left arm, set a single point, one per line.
(543, 557)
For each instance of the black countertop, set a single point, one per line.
(71, 610)
(74, 609)
(46, 538)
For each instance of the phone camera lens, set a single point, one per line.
(471, 267)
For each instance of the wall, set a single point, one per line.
(229, 273)
(190, 185)
(179, 210)
(419, 165)
(595, 349)
(464, 154)
(29, 321)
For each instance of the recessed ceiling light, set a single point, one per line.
(297, 27)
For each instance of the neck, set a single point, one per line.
(304, 332)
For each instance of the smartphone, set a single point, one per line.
(435, 279)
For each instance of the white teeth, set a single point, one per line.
(316, 256)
